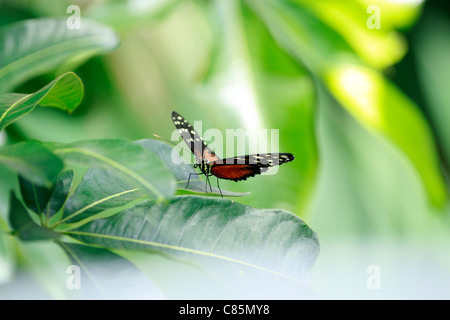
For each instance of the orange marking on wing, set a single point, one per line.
(209, 155)
(235, 171)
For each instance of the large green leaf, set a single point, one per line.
(137, 165)
(32, 161)
(99, 190)
(33, 47)
(227, 239)
(65, 92)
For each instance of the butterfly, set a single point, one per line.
(236, 168)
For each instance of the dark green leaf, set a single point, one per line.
(215, 233)
(59, 193)
(8, 182)
(32, 161)
(24, 227)
(34, 196)
(43, 200)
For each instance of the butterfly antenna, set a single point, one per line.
(176, 145)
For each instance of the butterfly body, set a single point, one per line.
(235, 168)
(204, 167)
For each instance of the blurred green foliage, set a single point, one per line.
(365, 111)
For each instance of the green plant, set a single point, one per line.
(108, 199)
(371, 156)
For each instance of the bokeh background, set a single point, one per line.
(365, 111)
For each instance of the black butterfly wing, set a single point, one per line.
(241, 168)
(193, 139)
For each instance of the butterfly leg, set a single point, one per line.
(219, 187)
(208, 183)
(210, 189)
(189, 179)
